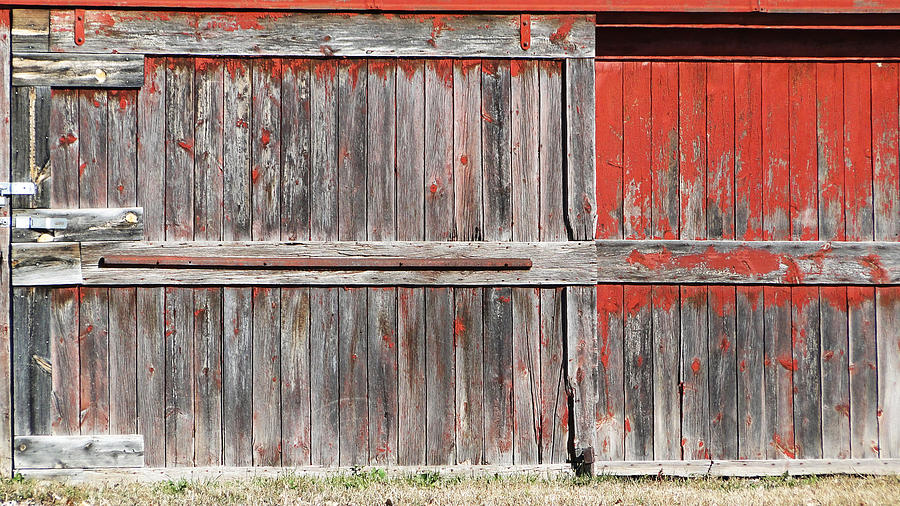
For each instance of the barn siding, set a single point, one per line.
(219, 149)
(762, 150)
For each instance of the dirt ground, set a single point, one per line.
(376, 488)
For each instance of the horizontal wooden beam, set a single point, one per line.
(207, 474)
(67, 452)
(49, 264)
(78, 70)
(563, 263)
(748, 468)
(87, 224)
(322, 34)
(334, 263)
(793, 6)
(762, 262)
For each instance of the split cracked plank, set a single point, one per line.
(322, 34)
(78, 70)
(758, 262)
(101, 224)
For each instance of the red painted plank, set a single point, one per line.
(609, 144)
(720, 149)
(664, 201)
(803, 185)
(830, 140)
(636, 151)
(692, 121)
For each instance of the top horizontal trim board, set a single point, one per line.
(796, 6)
(322, 34)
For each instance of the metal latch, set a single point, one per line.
(35, 222)
(7, 189)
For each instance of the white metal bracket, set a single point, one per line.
(7, 189)
(35, 222)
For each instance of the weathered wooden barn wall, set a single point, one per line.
(299, 149)
(751, 150)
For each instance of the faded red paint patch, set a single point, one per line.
(381, 68)
(186, 145)
(724, 344)
(254, 174)
(627, 425)
(266, 137)
(67, 139)
(561, 34)
(877, 273)
(788, 363)
(503, 299)
(517, 67)
(695, 366)
(433, 188)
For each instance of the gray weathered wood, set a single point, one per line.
(213, 474)
(695, 415)
(6, 401)
(553, 263)
(835, 372)
(737, 262)
(46, 264)
(583, 363)
(99, 224)
(30, 30)
(317, 34)
(67, 452)
(861, 319)
(888, 333)
(78, 70)
(638, 373)
(778, 373)
(669, 324)
(723, 401)
(807, 378)
(581, 163)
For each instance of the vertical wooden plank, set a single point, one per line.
(833, 306)
(583, 362)
(637, 151)
(525, 121)
(29, 122)
(354, 440)
(6, 433)
(776, 225)
(666, 328)
(722, 371)
(805, 336)
(295, 303)
(237, 347)
(495, 149)
(748, 220)
(209, 105)
(179, 220)
(692, 116)
(381, 130)
(721, 300)
(265, 182)
(581, 152)
(888, 325)
(122, 185)
(554, 415)
(859, 215)
(636, 221)
(151, 152)
(638, 374)
(664, 174)
(609, 94)
(694, 373)
(94, 302)
(411, 420)
(610, 331)
(458, 85)
(886, 196)
(323, 306)
(64, 327)
(721, 97)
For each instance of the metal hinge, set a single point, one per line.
(525, 31)
(7, 189)
(79, 27)
(35, 222)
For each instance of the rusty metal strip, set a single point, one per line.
(525, 31)
(79, 27)
(335, 263)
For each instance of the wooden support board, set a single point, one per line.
(749, 262)
(79, 452)
(78, 70)
(101, 224)
(322, 34)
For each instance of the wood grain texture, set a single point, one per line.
(30, 30)
(748, 262)
(722, 372)
(580, 150)
(609, 130)
(887, 324)
(499, 418)
(381, 201)
(324, 372)
(317, 34)
(695, 406)
(237, 318)
(79, 452)
(807, 378)
(92, 224)
(666, 334)
(692, 149)
(265, 182)
(525, 115)
(150, 302)
(638, 371)
(751, 357)
(77, 71)
(411, 324)
(861, 319)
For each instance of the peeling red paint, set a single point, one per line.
(877, 273)
(67, 139)
(695, 365)
(561, 34)
(266, 137)
(788, 363)
(186, 145)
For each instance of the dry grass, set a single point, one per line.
(376, 488)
